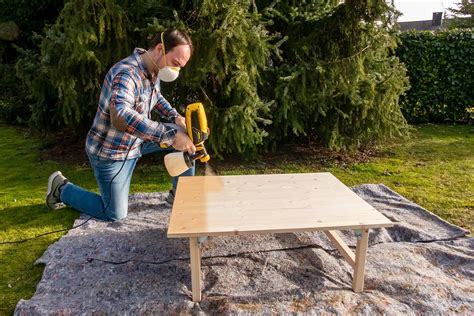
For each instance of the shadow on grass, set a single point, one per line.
(36, 216)
(19, 274)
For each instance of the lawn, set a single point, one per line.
(434, 168)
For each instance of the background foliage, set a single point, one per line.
(232, 48)
(440, 67)
(30, 17)
(336, 80)
(269, 71)
(463, 15)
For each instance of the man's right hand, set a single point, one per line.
(183, 142)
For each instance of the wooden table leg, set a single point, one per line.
(340, 245)
(195, 254)
(359, 269)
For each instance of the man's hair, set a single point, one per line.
(172, 38)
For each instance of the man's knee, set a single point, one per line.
(117, 213)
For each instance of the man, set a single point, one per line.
(122, 130)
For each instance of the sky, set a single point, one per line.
(417, 10)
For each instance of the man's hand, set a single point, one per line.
(183, 142)
(181, 121)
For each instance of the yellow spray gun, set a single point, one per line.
(198, 131)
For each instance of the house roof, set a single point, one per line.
(425, 25)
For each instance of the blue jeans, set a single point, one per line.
(112, 203)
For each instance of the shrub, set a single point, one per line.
(13, 109)
(440, 67)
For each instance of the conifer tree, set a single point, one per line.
(268, 71)
(232, 48)
(88, 37)
(336, 79)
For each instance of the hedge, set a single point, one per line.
(440, 66)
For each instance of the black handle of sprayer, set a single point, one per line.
(196, 156)
(201, 152)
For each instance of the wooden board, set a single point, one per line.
(228, 205)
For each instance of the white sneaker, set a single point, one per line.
(55, 182)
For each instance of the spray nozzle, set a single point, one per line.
(178, 162)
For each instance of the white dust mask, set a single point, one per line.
(168, 74)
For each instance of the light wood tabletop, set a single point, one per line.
(272, 203)
(224, 205)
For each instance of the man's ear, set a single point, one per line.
(159, 48)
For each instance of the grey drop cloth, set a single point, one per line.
(421, 265)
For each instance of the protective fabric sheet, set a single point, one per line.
(421, 265)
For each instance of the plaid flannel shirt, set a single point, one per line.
(127, 89)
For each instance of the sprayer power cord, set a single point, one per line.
(84, 222)
(108, 202)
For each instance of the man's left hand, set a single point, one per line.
(181, 121)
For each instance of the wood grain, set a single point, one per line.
(255, 204)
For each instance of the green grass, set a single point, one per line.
(23, 213)
(434, 168)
